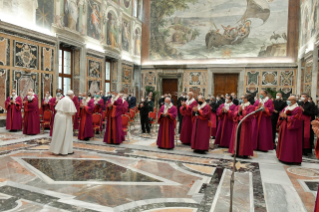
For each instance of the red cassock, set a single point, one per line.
(14, 117)
(114, 132)
(31, 117)
(187, 124)
(26, 97)
(165, 138)
(262, 128)
(98, 108)
(244, 143)
(225, 125)
(86, 125)
(52, 104)
(76, 116)
(201, 129)
(317, 202)
(45, 106)
(289, 148)
(213, 119)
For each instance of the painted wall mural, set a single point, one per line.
(4, 51)
(202, 29)
(94, 69)
(309, 21)
(127, 5)
(4, 87)
(23, 81)
(45, 14)
(126, 34)
(94, 19)
(283, 80)
(137, 41)
(112, 30)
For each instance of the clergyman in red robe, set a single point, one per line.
(86, 111)
(32, 93)
(13, 106)
(262, 128)
(53, 102)
(213, 117)
(244, 142)
(289, 148)
(114, 132)
(31, 115)
(167, 120)
(201, 126)
(187, 125)
(225, 122)
(98, 107)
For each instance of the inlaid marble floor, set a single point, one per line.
(137, 176)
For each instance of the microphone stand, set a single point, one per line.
(232, 179)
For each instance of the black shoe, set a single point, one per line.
(71, 153)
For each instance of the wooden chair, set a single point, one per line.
(152, 115)
(125, 123)
(46, 121)
(132, 116)
(96, 121)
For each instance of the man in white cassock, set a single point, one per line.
(62, 137)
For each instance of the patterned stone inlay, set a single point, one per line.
(304, 171)
(86, 170)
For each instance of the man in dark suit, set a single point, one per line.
(235, 100)
(181, 99)
(279, 105)
(222, 98)
(161, 100)
(219, 101)
(307, 110)
(131, 101)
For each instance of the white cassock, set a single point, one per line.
(62, 136)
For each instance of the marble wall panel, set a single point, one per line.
(47, 59)
(195, 81)
(76, 86)
(25, 55)
(94, 86)
(114, 72)
(127, 78)
(46, 84)
(4, 51)
(269, 78)
(23, 81)
(4, 88)
(94, 69)
(77, 55)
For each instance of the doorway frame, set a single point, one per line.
(170, 75)
(240, 83)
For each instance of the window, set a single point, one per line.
(65, 69)
(108, 66)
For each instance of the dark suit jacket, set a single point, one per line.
(236, 102)
(132, 101)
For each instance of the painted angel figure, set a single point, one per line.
(95, 19)
(71, 13)
(112, 32)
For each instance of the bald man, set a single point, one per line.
(201, 126)
(187, 125)
(290, 120)
(13, 106)
(167, 120)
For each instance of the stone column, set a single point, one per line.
(314, 74)
(210, 86)
(83, 70)
(241, 83)
(298, 77)
(119, 75)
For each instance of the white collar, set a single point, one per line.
(227, 105)
(291, 107)
(201, 106)
(85, 102)
(166, 108)
(244, 105)
(14, 97)
(115, 99)
(96, 100)
(46, 99)
(263, 101)
(188, 102)
(58, 98)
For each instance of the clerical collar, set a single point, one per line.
(96, 100)
(166, 108)
(86, 100)
(47, 99)
(201, 106)
(244, 105)
(188, 102)
(263, 101)
(14, 97)
(58, 98)
(292, 107)
(227, 105)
